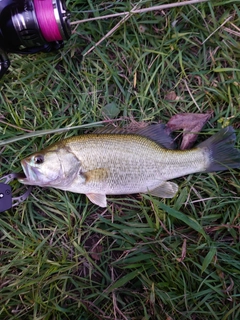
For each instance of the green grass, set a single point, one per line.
(142, 258)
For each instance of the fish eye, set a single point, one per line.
(38, 159)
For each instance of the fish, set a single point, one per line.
(115, 162)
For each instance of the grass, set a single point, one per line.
(144, 258)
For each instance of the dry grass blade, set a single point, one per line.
(144, 10)
(124, 19)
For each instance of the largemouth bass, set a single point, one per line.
(125, 163)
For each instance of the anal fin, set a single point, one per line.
(98, 199)
(165, 190)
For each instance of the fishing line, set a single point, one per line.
(45, 12)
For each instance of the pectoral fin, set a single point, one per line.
(165, 190)
(98, 199)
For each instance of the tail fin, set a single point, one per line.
(221, 149)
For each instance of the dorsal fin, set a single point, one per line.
(110, 129)
(155, 132)
(159, 134)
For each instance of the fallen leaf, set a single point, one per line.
(170, 96)
(96, 252)
(94, 247)
(191, 123)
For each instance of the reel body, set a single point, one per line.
(31, 26)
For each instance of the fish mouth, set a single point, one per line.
(29, 175)
(21, 176)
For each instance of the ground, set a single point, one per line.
(141, 258)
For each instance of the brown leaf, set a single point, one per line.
(170, 96)
(191, 123)
(96, 252)
(94, 247)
